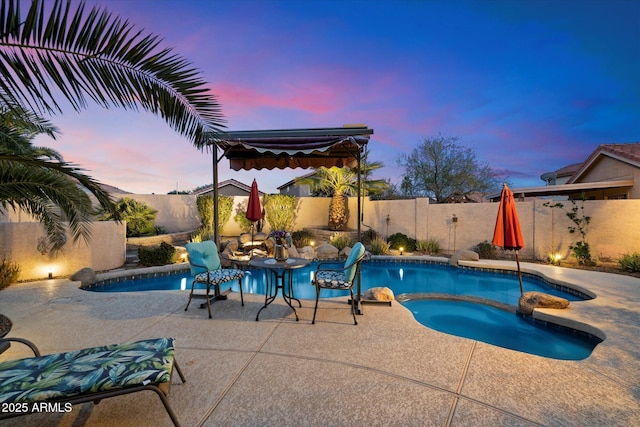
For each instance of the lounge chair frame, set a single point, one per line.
(161, 389)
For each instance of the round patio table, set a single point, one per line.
(279, 277)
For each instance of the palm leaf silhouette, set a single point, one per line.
(101, 58)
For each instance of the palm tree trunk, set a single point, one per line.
(338, 212)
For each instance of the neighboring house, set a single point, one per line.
(293, 189)
(230, 187)
(617, 164)
(561, 176)
(610, 172)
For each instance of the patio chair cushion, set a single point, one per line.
(203, 256)
(88, 370)
(332, 279)
(217, 277)
(356, 252)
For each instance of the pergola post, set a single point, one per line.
(216, 221)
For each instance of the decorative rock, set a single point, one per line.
(307, 252)
(259, 236)
(378, 294)
(464, 255)
(327, 251)
(245, 238)
(230, 246)
(345, 252)
(86, 276)
(293, 252)
(269, 244)
(531, 300)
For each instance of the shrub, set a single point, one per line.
(205, 210)
(486, 250)
(9, 272)
(342, 240)
(630, 262)
(368, 236)
(139, 217)
(379, 246)
(240, 217)
(430, 246)
(159, 255)
(582, 252)
(301, 238)
(280, 211)
(399, 240)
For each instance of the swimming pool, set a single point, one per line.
(463, 318)
(401, 277)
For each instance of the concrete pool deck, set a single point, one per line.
(388, 370)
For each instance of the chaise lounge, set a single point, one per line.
(88, 375)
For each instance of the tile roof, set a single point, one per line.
(628, 153)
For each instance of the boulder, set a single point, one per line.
(293, 252)
(464, 255)
(532, 300)
(378, 294)
(327, 251)
(307, 252)
(269, 244)
(344, 253)
(245, 238)
(230, 246)
(86, 276)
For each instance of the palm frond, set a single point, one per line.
(102, 58)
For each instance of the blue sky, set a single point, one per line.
(531, 85)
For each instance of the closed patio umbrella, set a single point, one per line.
(254, 211)
(507, 233)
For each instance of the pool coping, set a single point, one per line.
(555, 317)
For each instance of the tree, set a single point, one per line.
(58, 52)
(102, 58)
(338, 183)
(140, 217)
(38, 181)
(370, 187)
(443, 169)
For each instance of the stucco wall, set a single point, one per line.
(614, 229)
(105, 251)
(176, 212)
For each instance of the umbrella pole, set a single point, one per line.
(519, 272)
(252, 225)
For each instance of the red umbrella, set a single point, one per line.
(507, 233)
(254, 211)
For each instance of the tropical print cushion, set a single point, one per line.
(89, 370)
(217, 277)
(331, 279)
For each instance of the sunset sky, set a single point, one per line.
(530, 85)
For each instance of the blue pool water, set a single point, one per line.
(501, 328)
(467, 319)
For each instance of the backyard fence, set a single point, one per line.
(614, 229)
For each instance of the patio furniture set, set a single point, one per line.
(59, 381)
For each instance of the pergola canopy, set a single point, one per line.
(294, 148)
(291, 148)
